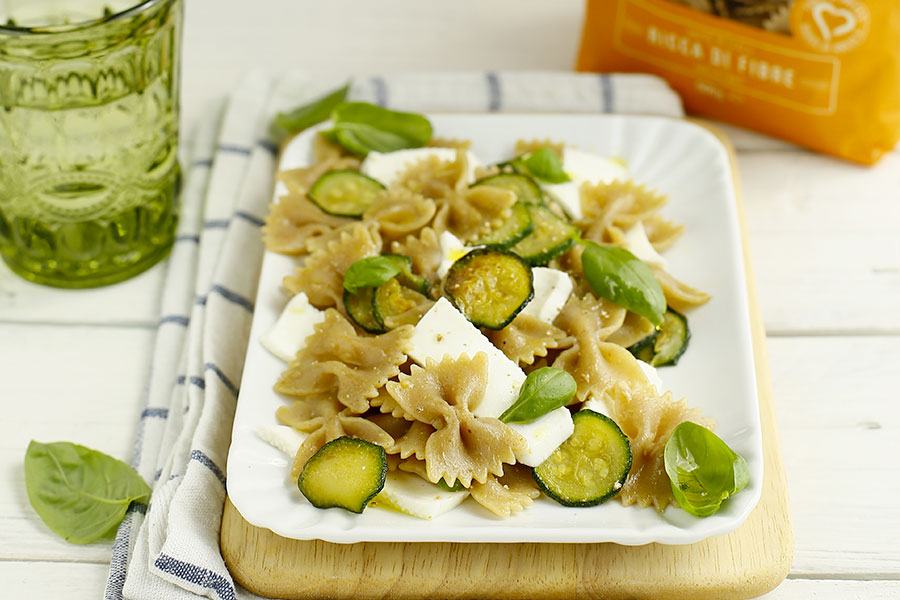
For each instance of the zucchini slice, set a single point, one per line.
(489, 287)
(511, 231)
(345, 473)
(394, 305)
(665, 346)
(344, 192)
(360, 308)
(526, 189)
(591, 466)
(551, 237)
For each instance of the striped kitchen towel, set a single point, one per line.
(171, 550)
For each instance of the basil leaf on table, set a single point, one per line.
(373, 271)
(544, 164)
(703, 470)
(544, 390)
(79, 493)
(290, 122)
(618, 275)
(362, 128)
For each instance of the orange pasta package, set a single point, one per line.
(824, 74)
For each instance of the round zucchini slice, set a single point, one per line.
(489, 287)
(360, 308)
(666, 345)
(526, 189)
(345, 192)
(394, 305)
(511, 231)
(591, 466)
(551, 237)
(345, 473)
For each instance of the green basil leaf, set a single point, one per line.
(544, 164)
(618, 275)
(702, 469)
(79, 493)
(362, 127)
(373, 271)
(290, 122)
(544, 390)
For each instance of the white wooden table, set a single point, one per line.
(825, 238)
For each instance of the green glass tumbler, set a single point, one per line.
(89, 171)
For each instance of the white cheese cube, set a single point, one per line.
(581, 167)
(551, 291)
(444, 331)
(637, 243)
(544, 435)
(412, 495)
(452, 249)
(296, 323)
(387, 167)
(281, 437)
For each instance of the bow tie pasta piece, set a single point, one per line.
(340, 425)
(526, 339)
(679, 295)
(298, 181)
(434, 177)
(509, 494)
(470, 213)
(424, 250)
(462, 447)
(618, 203)
(400, 212)
(295, 221)
(322, 275)
(337, 361)
(309, 414)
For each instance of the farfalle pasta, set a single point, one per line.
(443, 396)
(447, 294)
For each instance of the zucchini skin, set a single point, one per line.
(649, 349)
(603, 495)
(463, 262)
(360, 308)
(337, 445)
(318, 189)
(526, 189)
(521, 219)
(537, 252)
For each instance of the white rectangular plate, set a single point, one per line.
(716, 374)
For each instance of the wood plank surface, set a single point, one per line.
(749, 561)
(73, 383)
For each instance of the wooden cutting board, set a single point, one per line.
(746, 563)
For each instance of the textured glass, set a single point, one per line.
(88, 138)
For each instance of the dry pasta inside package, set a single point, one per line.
(821, 73)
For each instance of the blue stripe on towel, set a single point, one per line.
(232, 297)
(216, 223)
(207, 462)
(202, 162)
(268, 145)
(222, 377)
(188, 237)
(196, 575)
(606, 93)
(252, 219)
(175, 319)
(381, 90)
(153, 412)
(495, 92)
(232, 149)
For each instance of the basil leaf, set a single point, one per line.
(544, 164)
(702, 469)
(544, 390)
(290, 122)
(375, 270)
(79, 493)
(362, 127)
(618, 275)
